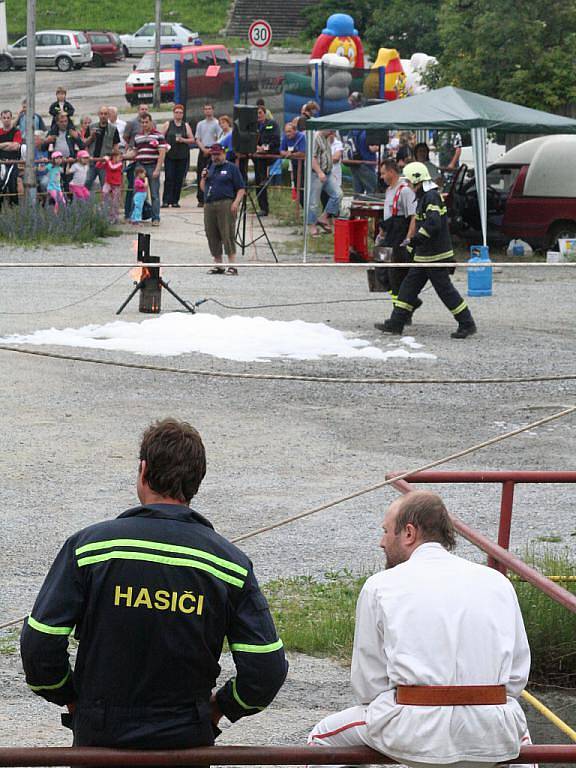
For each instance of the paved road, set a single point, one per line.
(88, 88)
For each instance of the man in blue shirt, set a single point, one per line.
(223, 188)
(293, 146)
(364, 179)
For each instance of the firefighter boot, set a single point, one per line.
(396, 323)
(466, 325)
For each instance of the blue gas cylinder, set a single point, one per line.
(479, 277)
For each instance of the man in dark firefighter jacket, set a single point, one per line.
(431, 243)
(151, 597)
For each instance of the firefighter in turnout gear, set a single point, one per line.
(151, 596)
(430, 244)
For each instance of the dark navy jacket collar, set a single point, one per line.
(168, 512)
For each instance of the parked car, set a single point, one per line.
(62, 48)
(106, 47)
(140, 83)
(143, 39)
(531, 194)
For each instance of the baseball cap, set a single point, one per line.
(83, 153)
(57, 154)
(215, 149)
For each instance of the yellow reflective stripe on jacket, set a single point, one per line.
(436, 257)
(423, 231)
(239, 700)
(50, 687)
(152, 558)
(460, 308)
(162, 547)
(442, 210)
(47, 629)
(247, 648)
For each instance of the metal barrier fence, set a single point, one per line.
(284, 87)
(237, 755)
(498, 555)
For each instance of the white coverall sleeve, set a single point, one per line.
(520, 667)
(368, 672)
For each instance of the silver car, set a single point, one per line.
(62, 48)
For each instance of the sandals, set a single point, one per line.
(231, 271)
(216, 271)
(325, 227)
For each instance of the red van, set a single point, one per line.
(106, 47)
(140, 83)
(531, 194)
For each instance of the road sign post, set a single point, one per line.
(260, 37)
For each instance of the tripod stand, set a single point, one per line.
(150, 283)
(240, 235)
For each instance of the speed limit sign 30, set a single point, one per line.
(260, 33)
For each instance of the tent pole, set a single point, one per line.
(307, 184)
(479, 139)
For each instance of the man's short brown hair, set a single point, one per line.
(391, 165)
(426, 512)
(175, 459)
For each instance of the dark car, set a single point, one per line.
(106, 47)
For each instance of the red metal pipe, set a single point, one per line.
(516, 476)
(505, 526)
(284, 755)
(517, 566)
(506, 504)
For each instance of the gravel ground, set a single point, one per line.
(70, 432)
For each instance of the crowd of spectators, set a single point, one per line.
(77, 158)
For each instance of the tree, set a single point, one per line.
(520, 51)
(385, 24)
(410, 28)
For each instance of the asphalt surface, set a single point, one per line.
(70, 431)
(89, 88)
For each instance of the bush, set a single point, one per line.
(551, 628)
(32, 223)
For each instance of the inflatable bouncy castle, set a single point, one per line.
(340, 37)
(337, 52)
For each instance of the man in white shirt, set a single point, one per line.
(119, 124)
(207, 133)
(432, 619)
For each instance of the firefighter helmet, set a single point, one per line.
(416, 172)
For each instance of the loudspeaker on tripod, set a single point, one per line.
(245, 130)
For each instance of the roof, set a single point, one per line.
(448, 109)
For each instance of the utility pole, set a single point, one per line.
(156, 93)
(30, 167)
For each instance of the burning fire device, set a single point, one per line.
(148, 281)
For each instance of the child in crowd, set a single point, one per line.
(112, 182)
(140, 192)
(79, 172)
(59, 106)
(55, 170)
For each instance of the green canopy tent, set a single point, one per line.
(446, 109)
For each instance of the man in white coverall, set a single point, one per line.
(440, 651)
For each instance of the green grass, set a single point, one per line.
(205, 18)
(317, 618)
(9, 641)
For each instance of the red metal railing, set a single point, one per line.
(498, 555)
(285, 755)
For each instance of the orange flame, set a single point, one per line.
(139, 273)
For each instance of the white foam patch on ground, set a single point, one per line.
(231, 338)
